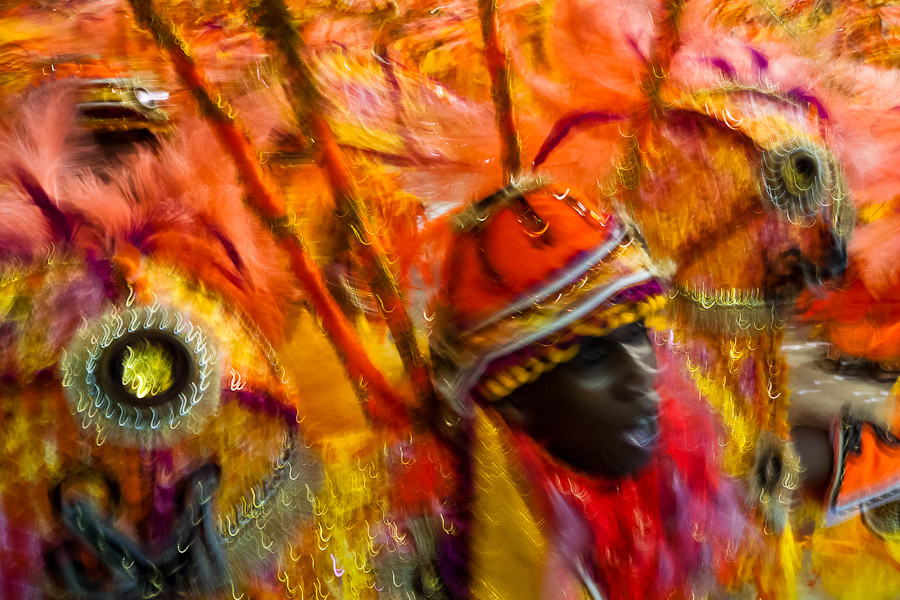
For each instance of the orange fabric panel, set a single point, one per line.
(873, 472)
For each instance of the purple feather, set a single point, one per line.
(102, 268)
(562, 128)
(140, 237)
(58, 222)
(637, 293)
(724, 67)
(634, 46)
(807, 98)
(264, 403)
(760, 62)
(230, 249)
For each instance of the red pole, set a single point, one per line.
(277, 25)
(387, 406)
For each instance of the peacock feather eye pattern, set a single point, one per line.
(142, 375)
(800, 178)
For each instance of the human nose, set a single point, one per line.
(639, 356)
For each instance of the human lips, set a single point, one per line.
(644, 433)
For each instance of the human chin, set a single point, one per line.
(630, 452)
(629, 446)
(611, 452)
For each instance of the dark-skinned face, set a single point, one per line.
(598, 412)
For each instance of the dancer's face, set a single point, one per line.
(599, 411)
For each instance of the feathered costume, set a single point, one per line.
(854, 43)
(515, 302)
(367, 119)
(857, 44)
(760, 200)
(156, 444)
(862, 319)
(136, 350)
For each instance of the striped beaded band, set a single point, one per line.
(514, 347)
(505, 376)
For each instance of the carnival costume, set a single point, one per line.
(135, 352)
(155, 442)
(855, 43)
(859, 523)
(715, 173)
(528, 276)
(862, 318)
(378, 508)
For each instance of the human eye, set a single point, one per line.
(594, 353)
(635, 332)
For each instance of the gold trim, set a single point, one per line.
(496, 386)
(729, 311)
(628, 259)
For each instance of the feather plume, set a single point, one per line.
(181, 203)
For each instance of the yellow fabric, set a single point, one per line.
(334, 555)
(854, 564)
(327, 399)
(508, 546)
(778, 576)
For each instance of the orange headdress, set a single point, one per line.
(528, 272)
